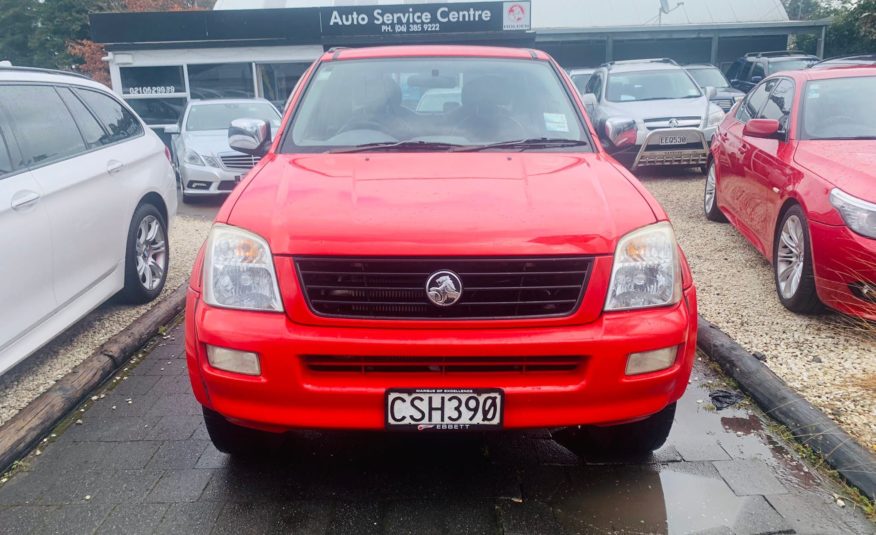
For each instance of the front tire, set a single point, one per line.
(635, 440)
(792, 264)
(710, 196)
(147, 256)
(235, 440)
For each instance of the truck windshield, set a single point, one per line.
(650, 85)
(435, 104)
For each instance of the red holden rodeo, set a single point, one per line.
(435, 240)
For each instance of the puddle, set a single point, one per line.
(654, 500)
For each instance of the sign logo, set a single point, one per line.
(516, 16)
(444, 288)
(673, 123)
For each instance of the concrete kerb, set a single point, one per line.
(807, 424)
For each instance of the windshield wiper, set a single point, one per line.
(428, 146)
(527, 144)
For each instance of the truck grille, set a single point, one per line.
(441, 365)
(242, 162)
(492, 288)
(659, 123)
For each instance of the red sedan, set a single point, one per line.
(794, 169)
(477, 263)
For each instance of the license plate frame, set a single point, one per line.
(672, 140)
(444, 423)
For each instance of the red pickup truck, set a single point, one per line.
(435, 240)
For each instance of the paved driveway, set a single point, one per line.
(141, 462)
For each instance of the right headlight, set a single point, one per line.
(858, 214)
(193, 158)
(646, 271)
(239, 271)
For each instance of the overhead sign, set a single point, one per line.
(426, 18)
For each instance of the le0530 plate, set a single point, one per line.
(673, 140)
(444, 409)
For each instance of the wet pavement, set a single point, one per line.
(140, 461)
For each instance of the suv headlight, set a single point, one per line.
(239, 271)
(646, 270)
(859, 215)
(715, 117)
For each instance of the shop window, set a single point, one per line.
(221, 80)
(277, 80)
(158, 111)
(152, 80)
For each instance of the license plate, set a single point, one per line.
(673, 140)
(444, 409)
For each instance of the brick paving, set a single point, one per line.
(141, 462)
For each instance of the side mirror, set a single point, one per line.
(756, 79)
(590, 103)
(172, 129)
(621, 133)
(250, 136)
(762, 128)
(711, 92)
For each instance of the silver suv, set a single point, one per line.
(672, 117)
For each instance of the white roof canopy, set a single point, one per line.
(572, 14)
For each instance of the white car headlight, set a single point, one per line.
(715, 117)
(239, 271)
(193, 158)
(646, 270)
(859, 215)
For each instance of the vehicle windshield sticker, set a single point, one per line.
(813, 90)
(556, 122)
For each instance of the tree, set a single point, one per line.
(91, 54)
(58, 22)
(17, 21)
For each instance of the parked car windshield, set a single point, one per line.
(795, 64)
(650, 85)
(218, 116)
(709, 77)
(841, 108)
(434, 104)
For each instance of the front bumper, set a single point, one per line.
(845, 269)
(694, 153)
(202, 180)
(291, 394)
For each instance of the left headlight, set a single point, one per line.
(716, 115)
(858, 214)
(646, 270)
(239, 271)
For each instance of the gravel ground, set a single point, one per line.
(826, 358)
(41, 370)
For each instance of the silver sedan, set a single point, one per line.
(205, 163)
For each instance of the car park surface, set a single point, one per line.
(352, 300)
(141, 461)
(86, 197)
(776, 176)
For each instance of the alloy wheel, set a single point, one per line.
(790, 257)
(709, 198)
(151, 252)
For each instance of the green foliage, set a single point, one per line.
(36, 32)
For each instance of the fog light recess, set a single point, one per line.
(234, 361)
(651, 361)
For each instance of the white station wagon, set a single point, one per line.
(86, 195)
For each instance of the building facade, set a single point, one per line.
(159, 61)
